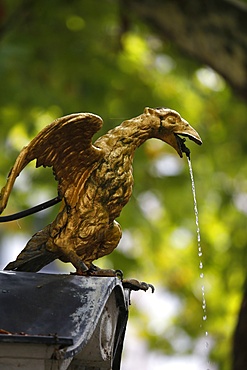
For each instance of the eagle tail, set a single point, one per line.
(35, 255)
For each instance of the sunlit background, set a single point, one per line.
(60, 58)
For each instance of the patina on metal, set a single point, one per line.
(82, 327)
(94, 182)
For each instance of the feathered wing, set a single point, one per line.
(66, 146)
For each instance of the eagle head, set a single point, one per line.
(167, 125)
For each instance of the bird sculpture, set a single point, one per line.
(94, 182)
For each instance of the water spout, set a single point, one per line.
(199, 249)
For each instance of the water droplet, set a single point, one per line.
(202, 275)
(204, 317)
(201, 265)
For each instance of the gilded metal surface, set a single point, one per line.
(94, 180)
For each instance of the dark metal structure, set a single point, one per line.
(61, 321)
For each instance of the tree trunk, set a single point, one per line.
(214, 32)
(240, 337)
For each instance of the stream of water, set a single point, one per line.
(200, 255)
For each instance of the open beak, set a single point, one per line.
(183, 129)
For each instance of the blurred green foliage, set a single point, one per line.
(62, 57)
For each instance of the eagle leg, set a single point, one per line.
(80, 266)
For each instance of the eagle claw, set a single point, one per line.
(134, 284)
(96, 271)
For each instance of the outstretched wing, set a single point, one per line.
(65, 145)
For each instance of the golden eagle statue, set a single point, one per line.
(94, 181)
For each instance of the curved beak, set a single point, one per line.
(184, 129)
